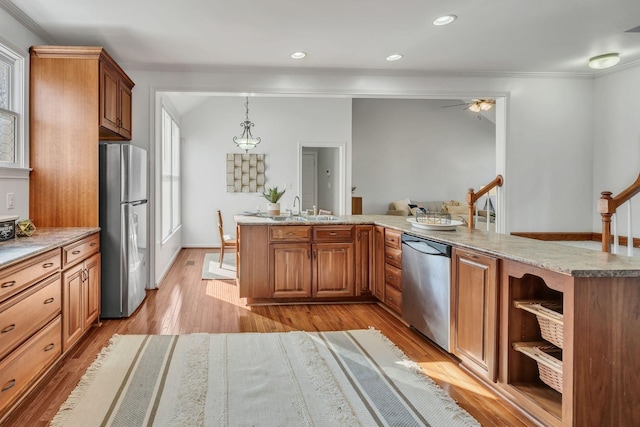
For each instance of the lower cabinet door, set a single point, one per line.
(290, 270)
(333, 273)
(474, 311)
(91, 290)
(73, 318)
(24, 365)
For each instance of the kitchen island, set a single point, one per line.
(588, 374)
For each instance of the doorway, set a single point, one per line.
(322, 177)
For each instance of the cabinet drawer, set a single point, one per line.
(15, 279)
(290, 233)
(393, 276)
(80, 250)
(393, 256)
(21, 316)
(392, 238)
(333, 233)
(393, 298)
(28, 362)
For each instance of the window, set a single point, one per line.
(11, 107)
(170, 175)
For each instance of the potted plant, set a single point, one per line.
(273, 195)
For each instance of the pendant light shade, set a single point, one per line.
(246, 141)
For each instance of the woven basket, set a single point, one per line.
(547, 358)
(550, 319)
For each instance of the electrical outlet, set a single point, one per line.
(10, 201)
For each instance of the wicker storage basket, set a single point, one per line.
(547, 358)
(550, 319)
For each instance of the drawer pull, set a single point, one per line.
(8, 329)
(390, 299)
(49, 300)
(290, 233)
(47, 265)
(8, 284)
(468, 255)
(390, 256)
(75, 252)
(9, 385)
(93, 244)
(389, 277)
(49, 347)
(333, 233)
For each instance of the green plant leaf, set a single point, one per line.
(272, 194)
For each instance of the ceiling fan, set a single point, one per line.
(476, 105)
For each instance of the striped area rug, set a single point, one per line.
(345, 378)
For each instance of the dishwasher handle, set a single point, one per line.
(429, 248)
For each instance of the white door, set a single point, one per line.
(309, 180)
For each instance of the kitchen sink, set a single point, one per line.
(323, 218)
(288, 219)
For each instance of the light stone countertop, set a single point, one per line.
(573, 261)
(44, 239)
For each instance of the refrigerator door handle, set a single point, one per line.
(139, 202)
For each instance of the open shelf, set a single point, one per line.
(535, 339)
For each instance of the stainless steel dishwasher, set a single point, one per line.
(426, 287)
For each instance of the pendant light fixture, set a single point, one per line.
(246, 140)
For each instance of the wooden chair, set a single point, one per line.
(226, 241)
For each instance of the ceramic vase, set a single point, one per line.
(273, 209)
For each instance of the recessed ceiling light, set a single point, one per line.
(601, 62)
(444, 20)
(298, 55)
(394, 57)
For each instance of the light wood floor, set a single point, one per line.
(186, 304)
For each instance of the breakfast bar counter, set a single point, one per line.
(573, 261)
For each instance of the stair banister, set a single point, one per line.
(472, 197)
(607, 207)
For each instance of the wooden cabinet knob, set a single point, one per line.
(8, 284)
(47, 265)
(8, 329)
(9, 385)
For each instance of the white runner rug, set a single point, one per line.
(346, 378)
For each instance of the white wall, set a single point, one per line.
(616, 162)
(282, 123)
(13, 180)
(416, 149)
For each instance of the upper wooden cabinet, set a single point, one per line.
(66, 123)
(115, 102)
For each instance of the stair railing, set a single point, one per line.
(472, 197)
(607, 207)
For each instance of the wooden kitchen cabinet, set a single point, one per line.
(333, 270)
(378, 262)
(474, 311)
(393, 269)
(294, 262)
(364, 264)
(67, 119)
(290, 270)
(115, 101)
(37, 296)
(80, 290)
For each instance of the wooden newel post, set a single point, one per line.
(606, 208)
(470, 203)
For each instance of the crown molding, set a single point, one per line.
(17, 14)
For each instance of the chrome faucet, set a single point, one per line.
(294, 205)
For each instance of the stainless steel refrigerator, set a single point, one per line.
(123, 223)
